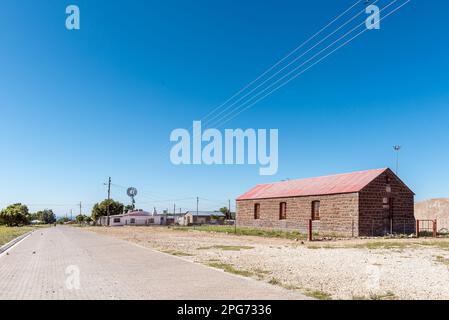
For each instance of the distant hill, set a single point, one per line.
(434, 209)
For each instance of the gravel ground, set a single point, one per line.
(410, 269)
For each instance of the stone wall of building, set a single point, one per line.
(379, 215)
(338, 214)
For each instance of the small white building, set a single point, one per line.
(201, 217)
(136, 218)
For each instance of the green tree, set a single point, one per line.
(101, 209)
(63, 220)
(80, 218)
(226, 212)
(129, 207)
(15, 215)
(46, 216)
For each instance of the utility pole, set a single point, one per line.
(174, 213)
(229, 209)
(397, 149)
(235, 217)
(235, 221)
(81, 207)
(109, 198)
(197, 206)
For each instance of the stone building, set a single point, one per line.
(365, 203)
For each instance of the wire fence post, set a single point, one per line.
(417, 228)
(435, 232)
(235, 221)
(310, 230)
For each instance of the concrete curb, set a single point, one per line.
(12, 243)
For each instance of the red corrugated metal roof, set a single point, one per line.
(336, 184)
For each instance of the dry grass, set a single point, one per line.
(246, 231)
(442, 260)
(275, 282)
(317, 294)
(230, 269)
(10, 233)
(227, 248)
(386, 296)
(177, 253)
(382, 244)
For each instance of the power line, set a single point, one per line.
(292, 71)
(283, 59)
(146, 194)
(73, 204)
(315, 63)
(154, 200)
(289, 64)
(168, 200)
(220, 202)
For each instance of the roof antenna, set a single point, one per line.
(397, 149)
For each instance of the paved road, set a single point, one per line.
(114, 269)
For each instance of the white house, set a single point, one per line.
(136, 218)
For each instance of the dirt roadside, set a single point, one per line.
(350, 269)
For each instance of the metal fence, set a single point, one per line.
(426, 228)
(397, 227)
(432, 228)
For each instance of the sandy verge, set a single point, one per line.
(337, 270)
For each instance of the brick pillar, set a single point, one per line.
(417, 228)
(310, 230)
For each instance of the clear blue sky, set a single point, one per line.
(79, 106)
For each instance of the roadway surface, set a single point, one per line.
(65, 263)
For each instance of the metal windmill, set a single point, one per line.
(132, 192)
